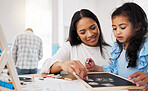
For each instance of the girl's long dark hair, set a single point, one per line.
(73, 36)
(138, 18)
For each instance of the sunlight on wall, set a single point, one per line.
(38, 17)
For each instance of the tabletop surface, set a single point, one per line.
(52, 84)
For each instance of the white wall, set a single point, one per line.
(12, 18)
(102, 8)
(104, 11)
(71, 6)
(63, 10)
(55, 21)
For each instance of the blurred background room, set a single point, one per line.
(50, 19)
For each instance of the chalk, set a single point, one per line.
(88, 61)
(41, 78)
(58, 77)
(68, 79)
(48, 76)
(32, 78)
(63, 73)
(54, 76)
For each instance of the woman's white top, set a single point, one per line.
(79, 52)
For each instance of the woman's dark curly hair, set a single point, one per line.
(136, 16)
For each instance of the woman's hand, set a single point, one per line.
(140, 76)
(74, 66)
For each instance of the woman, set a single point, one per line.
(85, 41)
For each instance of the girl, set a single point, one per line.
(85, 41)
(130, 51)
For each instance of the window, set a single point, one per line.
(38, 17)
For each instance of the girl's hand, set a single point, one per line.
(90, 64)
(74, 66)
(140, 76)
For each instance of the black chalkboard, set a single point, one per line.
(106, 80)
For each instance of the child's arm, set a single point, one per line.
(140, 76)
(90, 65)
